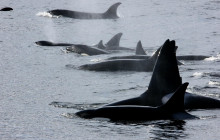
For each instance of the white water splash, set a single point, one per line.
(214, 83)
(198, 74)
(213, 58)
(84, 54)
(96, 60)
(44, 14)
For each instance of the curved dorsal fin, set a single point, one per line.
(176, 102)
(100, 45)
(114, 41)
(165, 78)
(139, 49)
(112, 11)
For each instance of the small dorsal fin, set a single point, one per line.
(165, 78)
(176, 102)
(100, 45)
(139, 49)
(112, 11)
(114, 41)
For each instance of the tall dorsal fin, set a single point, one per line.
(165, 78)
(112, 11)
(139, 49)
(156, 53)
(114, 41)
(100, 45)
(176, 102)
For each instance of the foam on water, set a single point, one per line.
(213, 58)
(96, 60)
(215, 83)
(198, 74)
(44, 14)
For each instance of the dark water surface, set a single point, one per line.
(31, 77)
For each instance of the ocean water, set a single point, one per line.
(38, 94)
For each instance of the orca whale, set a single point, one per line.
(173, 109)
(165, 79)
(84, 49)
(77, 48)
(139, 49)
(114, 43)
(141, 54)
(49, 43)
(6, 9)
(141, 65)
(111, 13)
(120, 65)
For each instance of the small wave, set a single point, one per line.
(206, 74)
(207, 117)
(75, 106)
(215, 83)
(69, 115)
(96, 60)
(198, 74)
(70, 66)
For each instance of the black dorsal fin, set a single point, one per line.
(139, 49)
(165, 78)
(155, 54)
(112, 11)
(114, 41)
(100, 45)
(176, 102)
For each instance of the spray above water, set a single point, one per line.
(44, 14)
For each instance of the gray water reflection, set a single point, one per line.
(169, 129)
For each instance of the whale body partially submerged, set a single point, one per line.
(173, 109)
(111, 13)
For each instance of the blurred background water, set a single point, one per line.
(31, 77)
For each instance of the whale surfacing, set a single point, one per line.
(165, 79)
(140, 65)
(111, 13)
(84, 49)
(139, 49)
(6, 9)
(173, 109)
(48, 43)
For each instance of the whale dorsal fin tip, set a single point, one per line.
(114, 41)
(165, 78)
(100, 45)
(139, 49)
(112, 11)
(176, 102)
